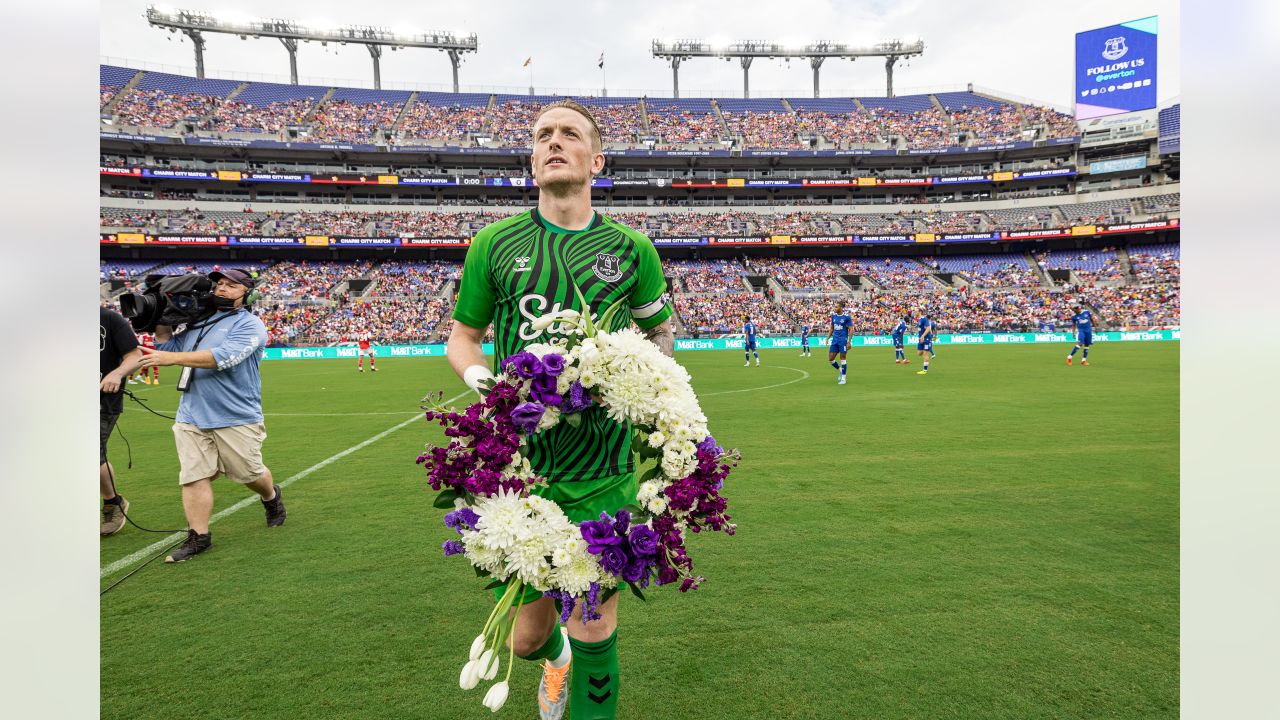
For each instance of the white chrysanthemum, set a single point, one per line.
(576, 574)
(657, 439)
(504, 519)
(528, 561)
(588, 378)
(481, 554)
(549, 418)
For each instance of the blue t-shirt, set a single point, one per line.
(1083, 321)
(900, 330)
(750, 331)
(840, 327)
(804, 332)
(925, 325)
(231, 394)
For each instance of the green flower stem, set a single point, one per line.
(511, 657)
(503, 603)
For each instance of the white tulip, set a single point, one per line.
(496, 697)
(477, 647)
(470, 675)
(488, 665)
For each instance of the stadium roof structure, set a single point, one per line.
(676, 51)
(194, 23)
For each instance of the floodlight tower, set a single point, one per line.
(745, 51)
(194, 24)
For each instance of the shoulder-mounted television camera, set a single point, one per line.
(171, 300)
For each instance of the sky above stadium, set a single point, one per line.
(1022, 49)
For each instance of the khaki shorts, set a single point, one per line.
(235, 451)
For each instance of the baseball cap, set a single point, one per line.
(235, 275)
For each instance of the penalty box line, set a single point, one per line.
(145, 552)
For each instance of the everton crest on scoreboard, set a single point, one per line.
(1116, 69)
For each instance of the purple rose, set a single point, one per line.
(623, 521)
(599, 535)
(553, 364)
(636, 570)
(543, 390)
(526, 416)
(522, 364)
(643, 540)
(579, 399)
(614, 559)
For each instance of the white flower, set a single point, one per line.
(657, 439)
(546, 321)
(488, 665)
(550, 417)
(588, 378)
(470, 675)
(477, 647)
(497, 696)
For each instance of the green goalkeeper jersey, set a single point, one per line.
(523, 267)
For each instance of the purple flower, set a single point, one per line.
(614, 559)
(461, 519)
(553, 364)
(591, 603)
(643, 540)
(638, 569)
(623, 521)
(522, 364)
(452, 547)
(599, 534)
(543, 390)
(708, 445)
(526, 416)
(579, 399)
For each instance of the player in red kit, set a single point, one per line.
(147, 340)
(365, 349)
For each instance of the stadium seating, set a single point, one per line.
(1160, 263)
(1088, 265)
(990, 270)
(892, 273)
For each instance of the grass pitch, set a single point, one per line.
(998, 539)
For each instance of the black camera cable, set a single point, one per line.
(111, 477)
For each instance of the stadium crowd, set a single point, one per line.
(698, 276)
(424, 121)
(408, 277)
(345, 121)
(675, 126)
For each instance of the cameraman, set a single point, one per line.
(118, 356)
(219, 428)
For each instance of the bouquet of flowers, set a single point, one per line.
(523, 540)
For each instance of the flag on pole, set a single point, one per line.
(600, 62)
(527, 61)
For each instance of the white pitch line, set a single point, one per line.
(128, 560)
(803, 376)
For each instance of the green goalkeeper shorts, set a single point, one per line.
(583, 500)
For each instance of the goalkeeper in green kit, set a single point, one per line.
(517, 270)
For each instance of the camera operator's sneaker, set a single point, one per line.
(192, 546)
(275, 509)
(113, 516)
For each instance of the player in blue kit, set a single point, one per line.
(900, 355)
(841, 326)
(1083, 320)
(804, 340)
(749, 344)
(925, 345)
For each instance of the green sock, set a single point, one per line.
(550, 649)
(593, 684)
